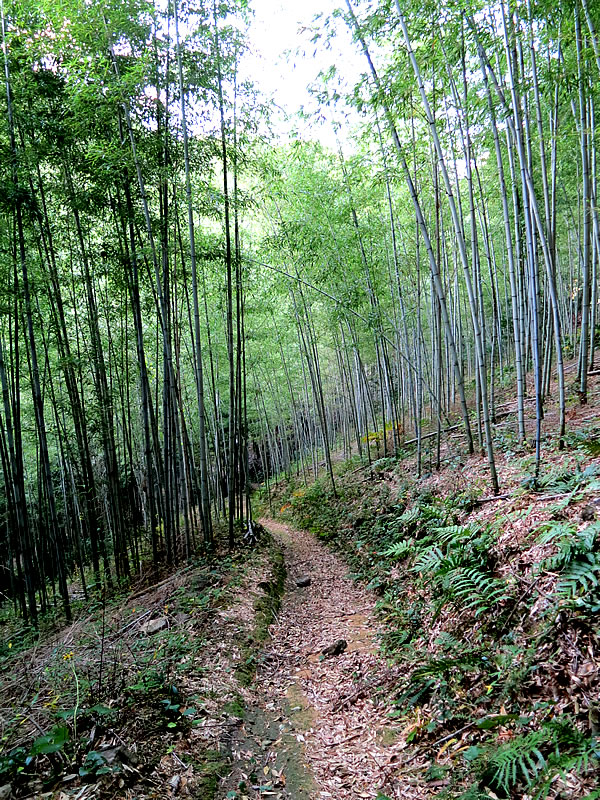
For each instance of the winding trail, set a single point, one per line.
(314, 728)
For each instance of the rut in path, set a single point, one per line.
(314, 729)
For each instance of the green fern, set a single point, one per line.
(475, 588)
(564, 479)
(447, 641)
(453, 534)
(450, 563)
(578, 565)
(437, 667)
(474, 793)
(566, 536)
(572, 752)
(429, 560)
(555, 531)
(520, 760)
(398, 550)
(582, 575)
(436, 676)
(409, 516)
(457, 564)
(535, 759)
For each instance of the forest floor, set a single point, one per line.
(139, 697)
(315, 728)
(215, 686)
(486, 612)
(442, 643)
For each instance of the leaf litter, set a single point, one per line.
(334, 706)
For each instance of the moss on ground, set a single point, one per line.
(213, 768)
(236, 707)
(266, 607)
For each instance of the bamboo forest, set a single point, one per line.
(300, 418)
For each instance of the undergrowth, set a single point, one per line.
(487, 648)
(83, 702)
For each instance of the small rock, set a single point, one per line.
(154, 626)
(588, 513)
(119, 754)
(335, 649)
(200, 581)
(174, 783)
(302, 582)
(6, 791)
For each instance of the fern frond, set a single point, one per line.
(553, 530)
(447, 641)
(573, 547)
(429, 560)
(589, 472)
(409, 516)
(520, 760)
(534, 759)
(455, 560)
(429, 513)
(474, 793)
(438, 667)
(476, 589)
(583, 574)
(397, 550)
(587, 537)
(453, 534)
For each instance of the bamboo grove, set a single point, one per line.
(103, 293)
(190, 307)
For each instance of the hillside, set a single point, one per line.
(487, 610)
(470, 663)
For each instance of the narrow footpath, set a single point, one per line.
(314, 728)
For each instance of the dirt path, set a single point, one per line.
(314, 729)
